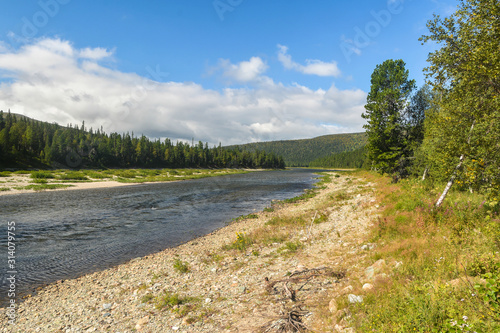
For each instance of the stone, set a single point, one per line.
(370, 272)
(242, 289)
(141, 322)
(107, 306)
(367, 286)
(332, 306)
(355, 299)
(375, 268)
(208, 300)
(347, 289)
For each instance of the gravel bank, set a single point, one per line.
(223, 290)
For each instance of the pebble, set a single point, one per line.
(354, 298)
(332, 306)
(367, 286)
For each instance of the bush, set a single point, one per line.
(241, 243)
(41, 175)
(180, 266)
(74, 176)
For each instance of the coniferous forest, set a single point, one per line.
(28, 142)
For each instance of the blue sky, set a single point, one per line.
(230, 71)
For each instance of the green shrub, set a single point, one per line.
(180, 266)
(241, 243)
(168, 300)
(73, 176)
(41, 175)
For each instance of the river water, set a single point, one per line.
(64, 234)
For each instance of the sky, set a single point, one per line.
(216, 71)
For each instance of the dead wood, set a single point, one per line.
(290, 321)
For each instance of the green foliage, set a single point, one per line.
(291, 247)
(490, 293)
(393, 124)
(181, 266)
(41, 175)
(347, 159)
(303, 152)
(168, 300)
(465, 75)
(245, 217)
(241, 243)
(73, 176)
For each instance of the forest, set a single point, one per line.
(347, 159)
(26, 142)
(299, 153)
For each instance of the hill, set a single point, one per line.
(302, 152)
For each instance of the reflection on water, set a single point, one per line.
(64, 234)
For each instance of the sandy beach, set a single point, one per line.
(212, 284)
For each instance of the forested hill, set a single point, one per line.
(302, 152)
(25, 142)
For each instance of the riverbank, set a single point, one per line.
(37, 181)
(302, 257)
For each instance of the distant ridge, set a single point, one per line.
(302, 152)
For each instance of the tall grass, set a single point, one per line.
(444, 254)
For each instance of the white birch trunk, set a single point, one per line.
(454, 175)
(425, 173)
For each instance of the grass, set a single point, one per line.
(458, 242)
(241, 243)
(73, 175)
(5, 173)
(180, 266)
(245, 217)
(290, 247)
(42, 187)
(42, 175)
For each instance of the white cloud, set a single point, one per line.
(51, 80)
(96, 53)
(313, 67)
(243, 72)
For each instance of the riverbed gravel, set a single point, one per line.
(222, 289)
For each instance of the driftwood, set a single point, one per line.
(290, 321)
(297, 277)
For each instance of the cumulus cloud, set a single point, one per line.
(51, 80)
(245, 71)
(96, 53)
(312, 67)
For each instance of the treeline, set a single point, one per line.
(347, 159)
(449, 130)
(303, 152)
(24, 141)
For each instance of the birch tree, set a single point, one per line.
(463, 135)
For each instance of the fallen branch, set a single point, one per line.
(298, 277)
(291, 321)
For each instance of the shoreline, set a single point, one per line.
(25, 180)
(224, 284)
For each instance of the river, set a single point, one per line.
(64, 234)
